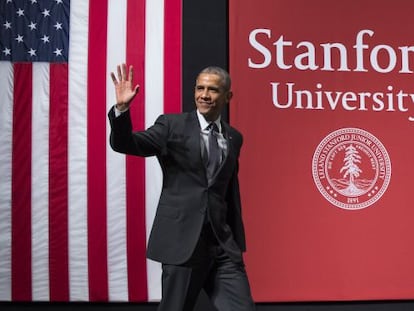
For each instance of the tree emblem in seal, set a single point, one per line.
(351, 168)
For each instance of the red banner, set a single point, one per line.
(323, 93)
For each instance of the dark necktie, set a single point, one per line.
(214, 150)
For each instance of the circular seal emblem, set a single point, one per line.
(351, 168)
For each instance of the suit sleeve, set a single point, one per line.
(142, 143)
(234, 211)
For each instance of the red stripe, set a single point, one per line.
(21, 184)
(58, 183)
(172, 55)
(96, 163)
(135, 166)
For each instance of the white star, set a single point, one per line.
(7, 25)
(32, 26)
(58, 26)
(58, 52)
(32, 52)
(19, 38)
(46, 13)
(20, 12)
(33, 1)
(6, 51)
(58, 1)
(45, 39)
(8, 1)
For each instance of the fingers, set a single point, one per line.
(136, 89)
(114, 78)
(131, 74)
(122, 74)
(118, 69)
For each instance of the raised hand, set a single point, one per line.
(125, 90)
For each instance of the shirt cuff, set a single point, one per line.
(119, 112)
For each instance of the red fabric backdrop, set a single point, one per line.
(324, 96)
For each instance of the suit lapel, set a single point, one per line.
(192, 128)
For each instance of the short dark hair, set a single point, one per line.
(223, 74)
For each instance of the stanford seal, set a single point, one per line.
(351, 168)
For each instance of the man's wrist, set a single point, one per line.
(120, 109)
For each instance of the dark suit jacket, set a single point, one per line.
(186, 195)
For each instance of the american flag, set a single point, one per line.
(74, 215)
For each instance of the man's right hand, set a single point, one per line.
(124, 89)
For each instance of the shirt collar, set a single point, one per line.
(204, 123)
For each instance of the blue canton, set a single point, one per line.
(34, 30)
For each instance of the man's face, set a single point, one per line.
(210, 95)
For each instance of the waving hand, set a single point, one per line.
(124, 86)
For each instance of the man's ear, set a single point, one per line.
(229, 95)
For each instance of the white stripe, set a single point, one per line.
(116, 182)
(77, 153)
(40, 181)
(6, 129)
(154, 106)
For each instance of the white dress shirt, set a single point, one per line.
(204, 135)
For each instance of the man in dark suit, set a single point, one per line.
(198, 233)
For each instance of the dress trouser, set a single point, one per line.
(224, 281)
